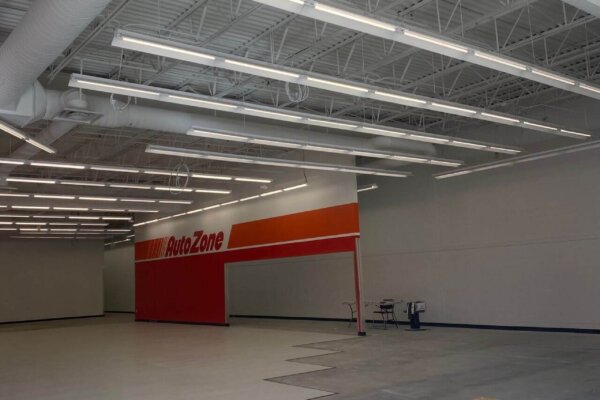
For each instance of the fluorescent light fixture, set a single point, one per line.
(90, 198)
(175, 202)
(53, 196)
(522, 159)
(500, 117)
(31, 180)
(436, 41)
(13, 195)
(575, 133)
(551, 128)
(30, 207)
(552, 76)
(263, 113)
(270, 193)
(325, 82)
(295, 187)
(249, 198)
(207, 155)
(23, 136)
(465, 144)
(56, 165)
(306, 118)
(354, 17)
(256, 180)
(296, 143)
(216, 177)
(115, 169)
(138, 200)
(189, 55)
(400, 97)
(12, 162)
(214, 191)
(70, 208)
(124, 186)
(433, 42)
(82, 183)
(262, 69)
(500, 60)
(85, 83)
(453, 108)
(366, 188)
(190, 101)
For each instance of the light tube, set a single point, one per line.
(552, 76)
(436, 41)
(30, 207)
(540, 126)
(70, 208)
(31, 180)
(21, 135)
(333, 124)
(271, 113)
(168, 48)
(295, 187)
(575, 133)
(214, 191)
(500, 117)
(124, 186)
(138, 200)
(399, 97)
(115, 169)
(354, 17)
(337, 84)
(56, 165)
(590, 88)
(430, 139)
(115, 87)
(175, 201)
(453, 108)
(13, 195)
(464, 144)
(97, 198)
(51, 196)
(500, 60)
(263, 69)
(270, 193)
(216, 135)
(202, 103)
(367, 188)
(458, 173)
(216, 177)
(10, 162)
(80, 183)
(257, 180)
(379, 131)
(249, 198)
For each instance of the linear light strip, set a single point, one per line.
(239, 107)
(94, 198)
(128, 170)
(154, 45)
(18, 179)
(287, 143)
(23, 136)
(427, 41)
(227, 203)
(519, 160)
(208, 155)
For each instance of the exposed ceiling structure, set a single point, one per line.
(314, 85)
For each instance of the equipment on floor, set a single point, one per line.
(386, 308)
(413, 309)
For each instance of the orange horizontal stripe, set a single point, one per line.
(331, 221)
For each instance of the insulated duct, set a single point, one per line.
(46, 30)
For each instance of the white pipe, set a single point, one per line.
(47, 29)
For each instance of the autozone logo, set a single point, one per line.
(201, 242)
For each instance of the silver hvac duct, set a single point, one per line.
(48, 28)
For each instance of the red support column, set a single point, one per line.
(360, 318)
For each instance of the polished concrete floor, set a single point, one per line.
(116, 358)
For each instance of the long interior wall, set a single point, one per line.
(513, 246)
(119, 278)
(42, 279)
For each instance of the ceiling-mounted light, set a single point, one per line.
(179, 152)
(304, 145)
(303, 77)
(23, 136)
(435, 43)
(366, 188)
(284, 115)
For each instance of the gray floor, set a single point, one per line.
(441, 364)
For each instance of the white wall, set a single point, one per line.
(514, 246)
(312, 286)
(42, 279)
(119, 278)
